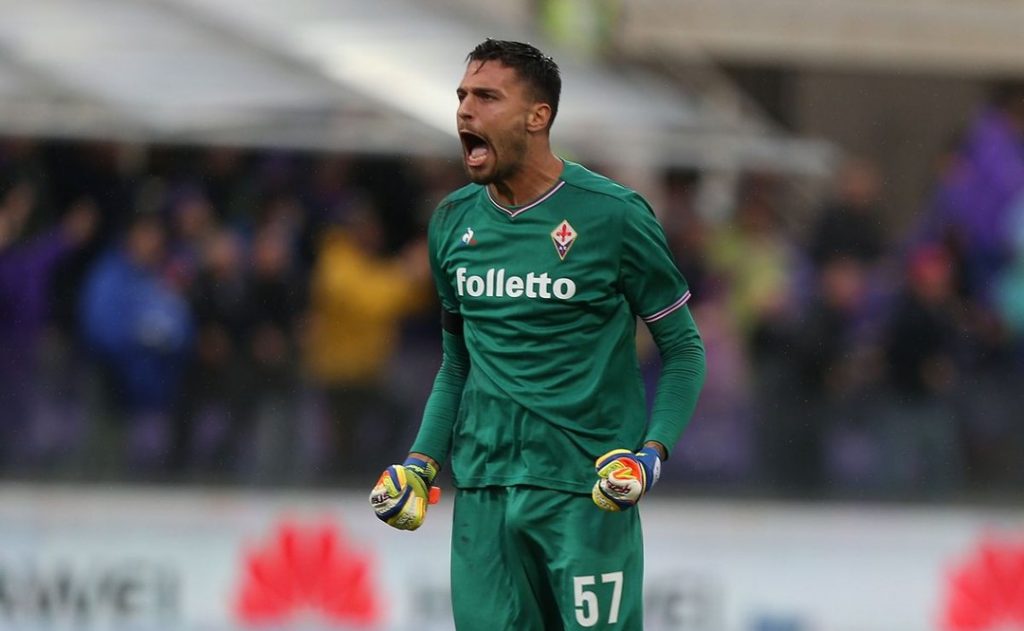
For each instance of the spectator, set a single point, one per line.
(359, 299)
(228, 179)
(215, 395)
(850, 225)
(981, 184)
(755, 259)
(1009, 285)
(329, 194)
(140, 329)
(836, 369)
(276, 297)
(686, 231)
(192, 221)
(922, 343)
(26, 270)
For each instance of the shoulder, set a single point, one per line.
(458, 198)
(614, 194)
(454, 206)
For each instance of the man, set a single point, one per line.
(542, 268)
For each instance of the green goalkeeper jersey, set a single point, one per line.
(549, 293)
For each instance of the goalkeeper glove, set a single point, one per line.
(402, 493)
(624, 477)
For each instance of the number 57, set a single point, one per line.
(587, 609)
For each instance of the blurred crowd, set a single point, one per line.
(209, 314)
(867, 351)
(266, 317)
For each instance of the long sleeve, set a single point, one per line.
(682, 376)
(434, 438)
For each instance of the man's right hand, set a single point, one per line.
(402, 493)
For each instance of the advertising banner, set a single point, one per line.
(174, 560)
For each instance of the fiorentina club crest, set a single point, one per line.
(563, 236)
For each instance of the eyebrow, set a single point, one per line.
(478, 91)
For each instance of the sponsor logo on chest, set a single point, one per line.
(497, 283)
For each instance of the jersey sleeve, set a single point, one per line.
(434, 437)
(436, 238)
(682, 376)
(648, 275)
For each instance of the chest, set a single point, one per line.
(533, 262)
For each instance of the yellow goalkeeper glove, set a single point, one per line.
(624, 477)
(402, 493)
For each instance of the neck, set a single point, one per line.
(535, 178)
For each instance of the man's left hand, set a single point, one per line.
(624, 477)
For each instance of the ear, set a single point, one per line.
(538, 117)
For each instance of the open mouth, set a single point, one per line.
(475, 148)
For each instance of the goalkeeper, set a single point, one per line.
(542, 268)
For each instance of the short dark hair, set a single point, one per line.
(534, 67)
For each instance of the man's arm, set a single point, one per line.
(656, 291)
(682, 376)
(623, 476)
(402, 492)
(434, 438)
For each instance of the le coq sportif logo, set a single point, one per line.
(307, 573)
(986, 590)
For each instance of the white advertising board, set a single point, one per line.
(173, 560)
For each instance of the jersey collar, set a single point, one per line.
(518, 210)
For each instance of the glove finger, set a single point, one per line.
(622, 489)
(390, 494)
(391, 483)
(392, 506)
(626, 472)
(623, 475)
(610, 457)
(411, 515)
(607, 502)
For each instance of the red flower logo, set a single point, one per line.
(987, 591)
(305, 570)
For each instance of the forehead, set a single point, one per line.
(490, 74)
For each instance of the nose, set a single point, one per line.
(464, 112)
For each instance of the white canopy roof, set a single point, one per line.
(347, 75)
